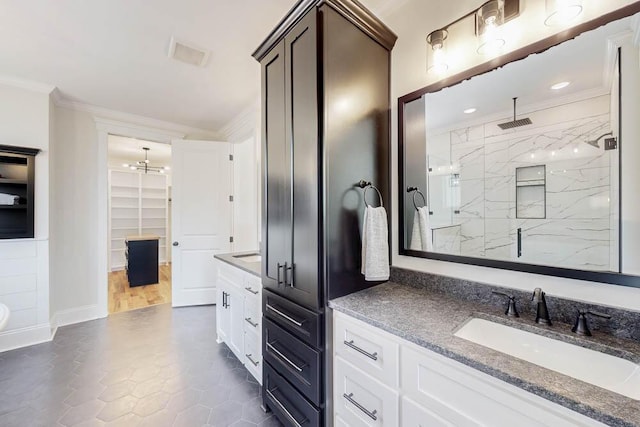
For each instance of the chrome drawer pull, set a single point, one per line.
(350, 344)
(251, 360)
(284, 409)
(290, 319)
(351, 400)
(250, 289)
(283, 357)
(248, 320)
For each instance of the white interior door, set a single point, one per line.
(201, 218)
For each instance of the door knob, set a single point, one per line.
(175, 243)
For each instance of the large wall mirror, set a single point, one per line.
(545, 183)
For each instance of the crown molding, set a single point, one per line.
(352, 10)
(243, 125)
(27, 84)
(133, 120)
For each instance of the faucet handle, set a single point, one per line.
(538, 294)
(511, 311)
(581, 327)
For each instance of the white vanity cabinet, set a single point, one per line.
(383, 380)
(239, 314)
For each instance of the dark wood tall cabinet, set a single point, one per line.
(325, 120)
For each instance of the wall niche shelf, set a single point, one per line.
(17, 182)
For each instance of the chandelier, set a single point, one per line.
(143, 165)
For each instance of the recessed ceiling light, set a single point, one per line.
(469, 110)
(560, 85)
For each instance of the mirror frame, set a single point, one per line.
(516, 55)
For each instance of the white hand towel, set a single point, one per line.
(421, 239)
(9, 199)
(425, 230)
(375, 244)
(415, 244)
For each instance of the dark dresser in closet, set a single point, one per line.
(325, 127)
(142, 260)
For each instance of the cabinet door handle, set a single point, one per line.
(283, 266)
(368, 413)
(250, 289)
(350, 344)
(248, 320)
(284, 409)
(288, 275)
(290, 319)
(283, 357)
(224, 299)
(251, 360)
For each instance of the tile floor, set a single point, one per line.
(155, 366)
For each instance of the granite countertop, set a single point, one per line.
(235, 259)
(430, 320)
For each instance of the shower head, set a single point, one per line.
(594, 142)
(515, 123)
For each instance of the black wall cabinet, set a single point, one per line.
(17, 175)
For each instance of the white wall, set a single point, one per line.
(74, 248)
(24, 263)
(412, 21)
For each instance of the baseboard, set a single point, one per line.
(23, 337)
(74, 315)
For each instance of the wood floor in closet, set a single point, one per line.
(125, 298)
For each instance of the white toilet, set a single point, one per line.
(4, 316)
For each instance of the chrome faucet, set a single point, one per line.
(542, 312)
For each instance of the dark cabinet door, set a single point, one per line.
(276, 205)
(301, 53)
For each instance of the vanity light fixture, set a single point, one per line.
(437, 52)
(560, 85)
(561, 12)
(469, 111)
(489, 18)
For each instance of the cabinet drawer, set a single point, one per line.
(252, 285)
(253, 355)
(296, 361)
(287, 403)
(361, 400)
(414, 415)
(252, 316)
(465, 397)
(301, 322)
(230, 273)
(374, 353)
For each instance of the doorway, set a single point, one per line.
(139, 230)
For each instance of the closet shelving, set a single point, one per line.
(138, 204)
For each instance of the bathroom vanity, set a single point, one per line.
(399, 362)
(239, 312)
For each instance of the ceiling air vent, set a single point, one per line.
(188, 53)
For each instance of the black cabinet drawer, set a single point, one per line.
(301, 322)
(291, 408)
(296, 361)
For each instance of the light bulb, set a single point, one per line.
(166, 168)
(491, 40)
(125, 165)
(132, 168)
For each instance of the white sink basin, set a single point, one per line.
(4, 316)
(600, 369)
(249, 258)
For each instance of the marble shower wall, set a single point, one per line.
(575, 232)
